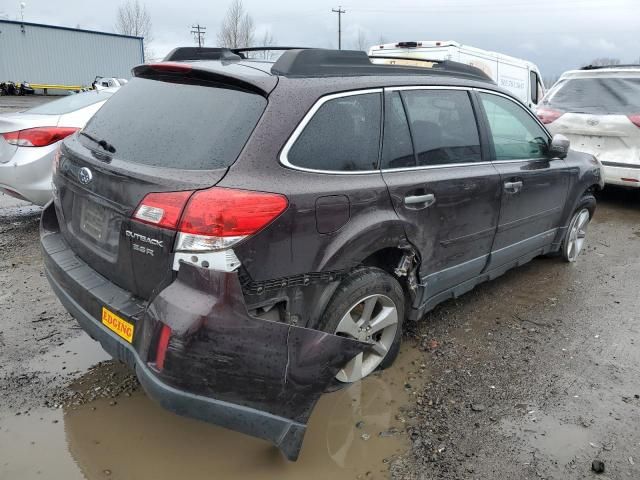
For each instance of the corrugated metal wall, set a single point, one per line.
(42, 54)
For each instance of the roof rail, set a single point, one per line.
(241, 51)
(600, 67)
(320, 62)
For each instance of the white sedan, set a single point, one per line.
(29, 140)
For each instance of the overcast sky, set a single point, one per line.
(555, 34)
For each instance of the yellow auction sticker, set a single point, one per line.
(117, 324)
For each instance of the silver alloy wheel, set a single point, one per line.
(372, 319)
(577, 234)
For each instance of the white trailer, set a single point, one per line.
(520, 77)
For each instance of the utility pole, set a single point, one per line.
(339, 11)
(199, 32)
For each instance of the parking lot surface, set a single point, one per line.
(533, 375)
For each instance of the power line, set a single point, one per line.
(199, 33)
(339, 11)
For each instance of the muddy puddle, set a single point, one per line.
(353, 433)
(566, 444)
(77, 354)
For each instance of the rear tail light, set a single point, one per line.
(162, 209)
(547, 115)
(212, 219)
(163, 344)
(635, 119)
(39, 136)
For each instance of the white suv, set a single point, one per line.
(598, 109)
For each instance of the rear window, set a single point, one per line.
(343, 135)
(172, 125)
(601, 95)
(71, 103)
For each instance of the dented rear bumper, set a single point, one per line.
(255, 376)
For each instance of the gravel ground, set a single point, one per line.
(533, 375)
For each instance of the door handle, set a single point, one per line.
(428, 199)
(513, 187)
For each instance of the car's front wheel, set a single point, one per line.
(577, 232)
(367, 306)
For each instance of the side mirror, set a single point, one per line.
(559, 147)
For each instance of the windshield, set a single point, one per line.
(71, 103)
(596, 95)
(175, 125)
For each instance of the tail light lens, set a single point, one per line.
(547, 115)
(39, 136)
(213, 219)
(162, 209)
(635, 119)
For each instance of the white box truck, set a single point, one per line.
(520, 77)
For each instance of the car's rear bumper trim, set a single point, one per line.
(258, 377)
(282, 432)
(621, 165)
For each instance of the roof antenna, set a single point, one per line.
(22, 7)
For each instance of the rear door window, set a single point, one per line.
(596, 95)
(443, 126)
(515, 134)
(174, 125)
(343, 135)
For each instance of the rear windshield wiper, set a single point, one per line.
(103, 143)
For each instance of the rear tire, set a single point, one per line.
(576, 233)
(368, 306)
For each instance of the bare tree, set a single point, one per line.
(237, 28)
(134, 19)
(267, 40)
(361, 40)
(604, 61)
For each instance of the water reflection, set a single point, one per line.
(137, 439)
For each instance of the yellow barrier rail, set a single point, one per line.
(46, 86)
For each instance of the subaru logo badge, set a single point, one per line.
(85, 176)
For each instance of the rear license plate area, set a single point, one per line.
(589, 143)
(94, 221)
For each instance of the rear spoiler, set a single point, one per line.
(181, 54)
(206, 74)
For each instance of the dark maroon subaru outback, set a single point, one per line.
(244, 233)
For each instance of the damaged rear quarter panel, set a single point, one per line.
(217, 350)
(294, 244)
